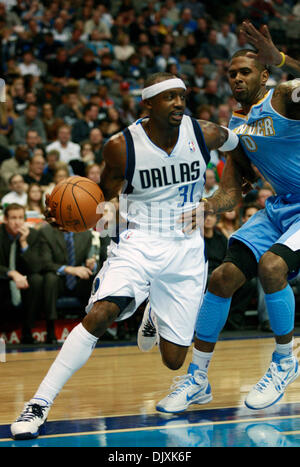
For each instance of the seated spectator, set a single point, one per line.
(229, 222)
(70, 110)
(82, 128)
(97, 22)
(35, 199)
(52, 158)
(29, 67)
(48, 48)
(87, 154)
(7, 121)
(97, 142)
(67, 149)
(20, 278)
(29, 121)
(93, 172)
(50, 122)
(60, 31)
(85, 68)
(59, 67)
(17, 193)
(18, 92)
(210, 183)
(187, 23)
(227, 38)
(123, 49)
(108, 69)
(68, 269)
(99, 46)
(212, 50)
(75, 46)
(17, 164)
(165, 57)
(35, 206)
(113, 124)
(36, 172)
(209, 96)
(33, 142)
(191, 48)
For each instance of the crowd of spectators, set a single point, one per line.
(74, 72)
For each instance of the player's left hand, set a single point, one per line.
(194, 219)
(49, 217)
(267, 53)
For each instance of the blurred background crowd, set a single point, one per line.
(74, 72)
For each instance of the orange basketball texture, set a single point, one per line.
(73, 203)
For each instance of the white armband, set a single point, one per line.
(231, 142)
(2, 90)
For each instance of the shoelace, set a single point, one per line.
(30, 412)
(272, 375)
(180, 383)
(148, 329)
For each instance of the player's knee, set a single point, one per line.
(172, 363)
(100, 318)
(225, 280)
(272, 271)
(173, 356)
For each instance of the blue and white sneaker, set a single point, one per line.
(147, 336)
(270, 389)
(192, 388)
(30, 421)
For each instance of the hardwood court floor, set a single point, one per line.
(122, 385)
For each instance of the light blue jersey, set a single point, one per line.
(272, 143)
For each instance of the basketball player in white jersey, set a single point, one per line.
(159, 162)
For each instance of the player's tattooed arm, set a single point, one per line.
(229, 193)
(112, 178)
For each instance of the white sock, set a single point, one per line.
(285, 349)
(202, 359)
(74, 353)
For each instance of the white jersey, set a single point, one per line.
(159, 187)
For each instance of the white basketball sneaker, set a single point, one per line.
(270, 389)
(192, 388)
(28, 424)
(148, 333)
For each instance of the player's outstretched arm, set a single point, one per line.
(286, 97)
(266, 51)
(229, 193)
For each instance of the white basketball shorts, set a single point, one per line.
(171, 272)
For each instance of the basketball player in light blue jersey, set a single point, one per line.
(268, 245)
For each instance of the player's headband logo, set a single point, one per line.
(157, 88)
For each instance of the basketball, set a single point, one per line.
(73, 202)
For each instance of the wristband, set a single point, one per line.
(2, 90)
(282, 61)
(231, 142)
